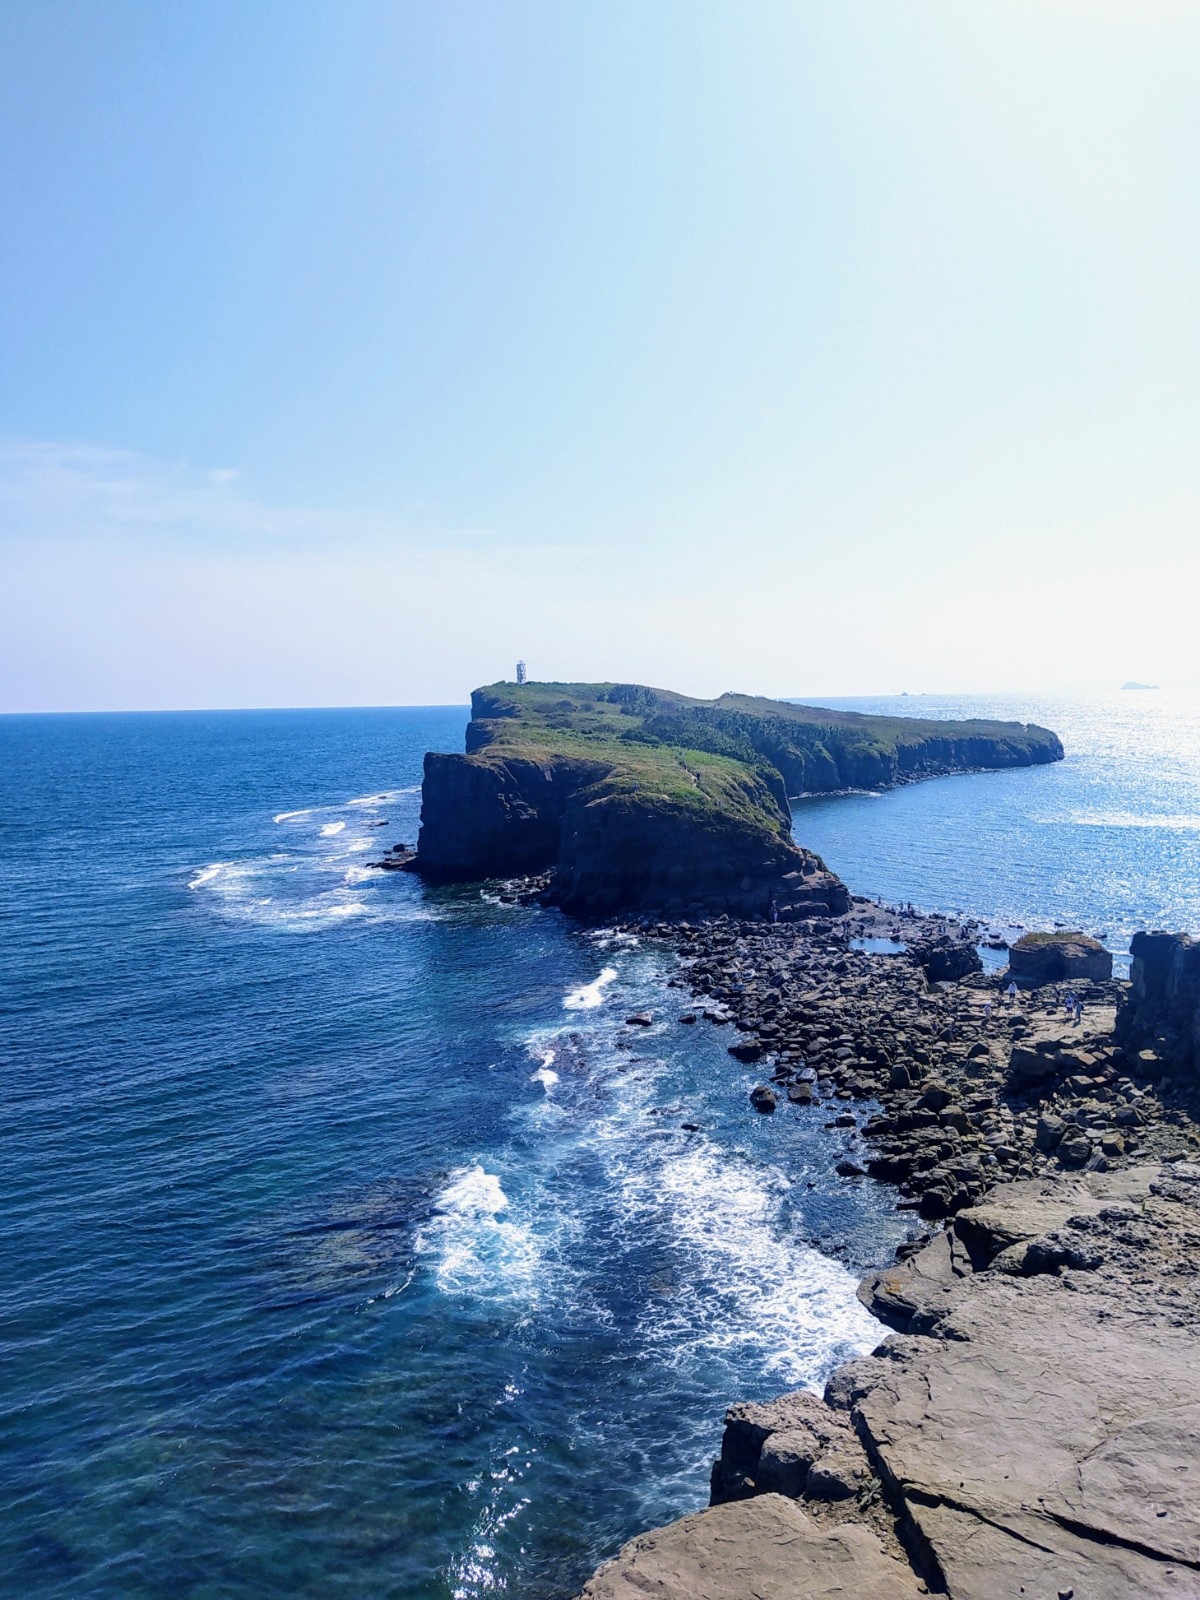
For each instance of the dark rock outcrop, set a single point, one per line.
(946, 960)
(1039, 958)
(1162, 1013)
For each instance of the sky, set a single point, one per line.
(352, 349)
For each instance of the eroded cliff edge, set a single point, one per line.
(641, 799)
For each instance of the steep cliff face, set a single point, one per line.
(495, 818)
(620, 851)
(612, 847)
(637, 798)
(820, 751)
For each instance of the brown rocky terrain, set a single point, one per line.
(1031, 1432)
(1030, 1426)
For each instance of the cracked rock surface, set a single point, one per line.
(768, 1548)
(1031, 1428)
(1037, 1424)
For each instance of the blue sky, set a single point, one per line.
(348, 352)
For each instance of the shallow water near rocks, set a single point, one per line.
(354, 1243)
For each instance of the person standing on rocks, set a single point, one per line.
(1011, 991)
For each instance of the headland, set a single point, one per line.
(1028, 1426)
(628, 798)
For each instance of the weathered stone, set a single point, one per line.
(1163, 1008)
(767, 1548)
(1050, 1130)
(1039, 958)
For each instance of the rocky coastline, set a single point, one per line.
(1028, 1428)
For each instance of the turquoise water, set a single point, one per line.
(353, 1244)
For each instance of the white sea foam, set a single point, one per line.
(355, 875)
(590, 995)
(749, 1296)
(328, 829)
(286, 816)
(479, 1252)
(605, 938)
(545, 1074)
(334, 913)
(207, 875)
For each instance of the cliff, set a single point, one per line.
(641, 799)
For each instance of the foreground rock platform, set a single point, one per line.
(1039, 1432)
(1032, 1431)
(762, 1549)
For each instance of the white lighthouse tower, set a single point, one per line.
(520, 672)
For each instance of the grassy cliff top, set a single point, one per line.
(613, 716)
(740, 755)
(606, 724)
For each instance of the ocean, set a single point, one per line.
(353, 1244)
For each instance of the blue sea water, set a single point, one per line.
(1107, 840)
(353, 1245)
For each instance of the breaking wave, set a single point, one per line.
(590, 995)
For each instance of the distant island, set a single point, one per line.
(1132, 685)
(633, 798)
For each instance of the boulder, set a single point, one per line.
(1039, 958)
(944, 960)
(762, 1098)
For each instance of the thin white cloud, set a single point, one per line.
(67, 491)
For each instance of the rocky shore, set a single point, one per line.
(1032, 1432)
(1029, 1428)
(964, 1087)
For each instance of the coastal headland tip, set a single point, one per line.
(635, 798)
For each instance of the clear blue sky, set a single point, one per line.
(350, 350)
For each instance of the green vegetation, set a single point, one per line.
(740, 755)
(606, 725)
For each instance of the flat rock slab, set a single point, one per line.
(761, 1549)
(1047, 1439)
